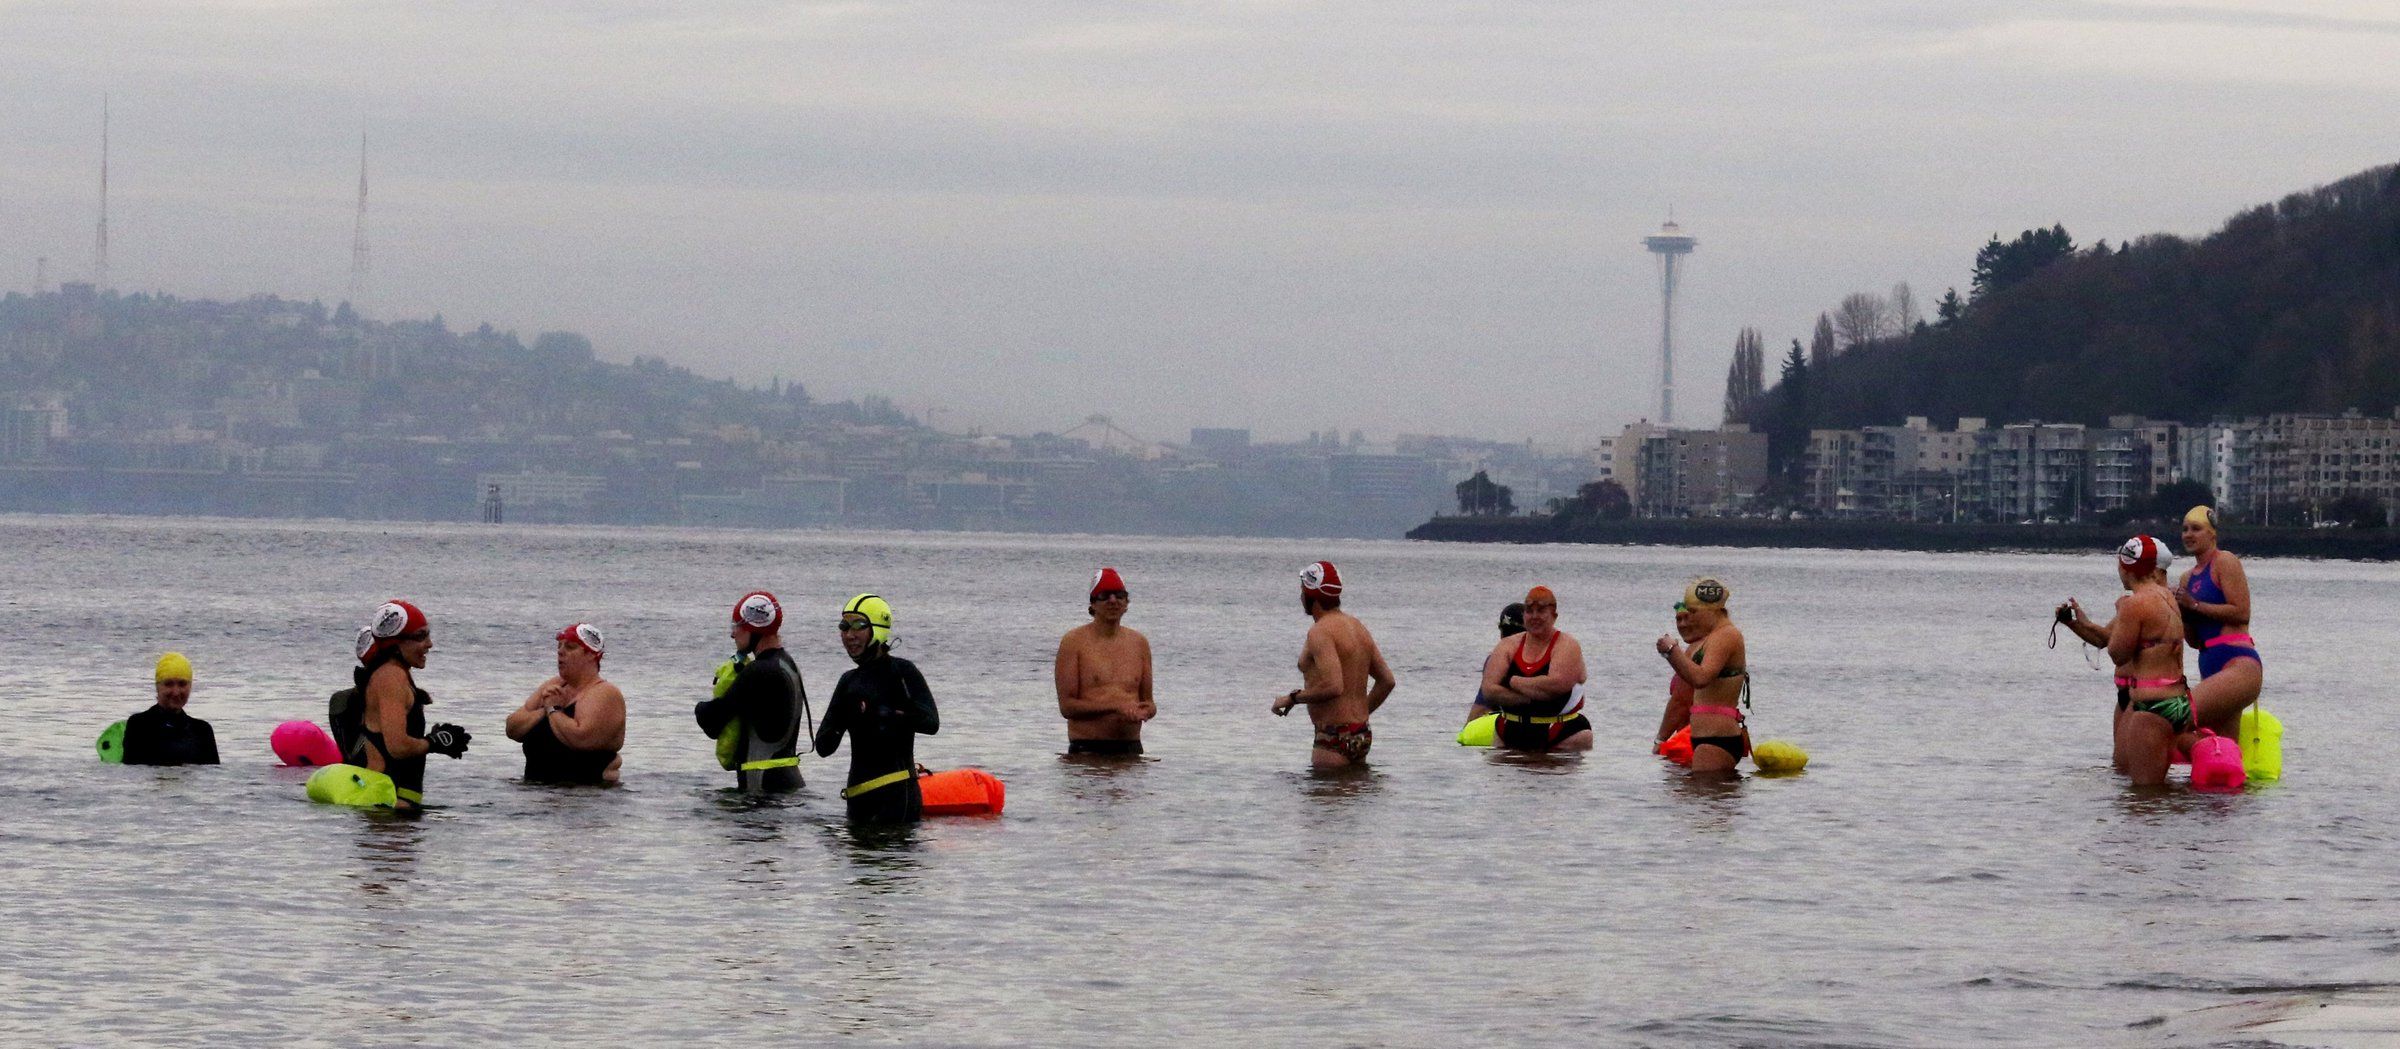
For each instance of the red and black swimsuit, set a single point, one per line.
(1539, 725)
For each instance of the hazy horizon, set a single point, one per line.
(1286, 216)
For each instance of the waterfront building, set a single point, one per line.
(2035, 470)
(1681, 473)
(1830, 476)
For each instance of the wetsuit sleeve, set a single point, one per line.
(140, 745)
(922, 715)
(714, 714)
(205, 743)
(761, 696)
(837, 718)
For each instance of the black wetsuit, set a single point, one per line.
(883, 704)
(347, 712)
(766, 696)
(549, 761)
(159, 736)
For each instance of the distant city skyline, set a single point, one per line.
(1396, 217)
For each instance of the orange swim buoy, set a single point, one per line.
(1676, 748)
(962, 792)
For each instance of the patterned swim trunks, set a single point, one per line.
(1350, 741)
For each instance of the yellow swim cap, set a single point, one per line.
(2205, 516)
(876, 612)
(173, 667)
(1705, 592)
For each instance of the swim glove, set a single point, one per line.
(448, 739)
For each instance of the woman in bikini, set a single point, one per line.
(1716, 669)
(2145, 641)
(2215, 600)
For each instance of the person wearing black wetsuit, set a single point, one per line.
(755, 715)
(164, 734)
(369, 720)
(883, 705)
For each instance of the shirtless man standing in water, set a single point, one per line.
(1335, 664)
(1104, 676)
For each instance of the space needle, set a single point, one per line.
(1670, 245)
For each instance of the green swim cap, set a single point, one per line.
(877, 613)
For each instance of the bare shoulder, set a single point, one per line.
(608, 692)
(1077, 637)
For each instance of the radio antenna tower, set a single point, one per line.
(358, 235)
(1670, 245)
(100, 237)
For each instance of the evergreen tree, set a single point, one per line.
(1746, 380)
(2000, 265)
(1949, 309)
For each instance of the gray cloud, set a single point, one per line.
(1392, 216)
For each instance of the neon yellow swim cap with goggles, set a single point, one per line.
(877, 613)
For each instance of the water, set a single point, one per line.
(1956, 867)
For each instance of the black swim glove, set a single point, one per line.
(448, 739)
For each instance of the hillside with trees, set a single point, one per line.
(2291, 306)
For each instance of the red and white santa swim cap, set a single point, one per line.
(2143, 555)
(759, 611)
(1321, 579)
(585, 636)
(390, 622)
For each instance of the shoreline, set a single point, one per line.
(2378, 544)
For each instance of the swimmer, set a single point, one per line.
(380, 721)
(1512, 623)
(164, 734)
(1536, 682)
(1715, 670)
(1336, 662)
(574, 724)
(2215, 600)
(1103, 675)
(883, 704)
(758, 701)
(1678, 715)
(2145, 641)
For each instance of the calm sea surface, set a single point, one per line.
(1956, 867)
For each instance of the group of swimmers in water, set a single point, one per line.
(572, 726)
(2160, 712)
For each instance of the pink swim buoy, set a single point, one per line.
(2217, 764)
(302, 743)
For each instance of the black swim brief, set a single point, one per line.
(1729, 744)
(1105, 748)
(1528, 735)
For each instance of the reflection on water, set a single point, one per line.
(387, 845)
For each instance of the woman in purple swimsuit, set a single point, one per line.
(2215, 598)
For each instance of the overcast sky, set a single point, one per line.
(1388, 215)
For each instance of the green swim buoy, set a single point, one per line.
(353, 786)
(111, 743)
(1481, 732)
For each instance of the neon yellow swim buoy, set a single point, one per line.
(1481, 732)
(2261, 740)
(353, 786)
(1779, 755)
